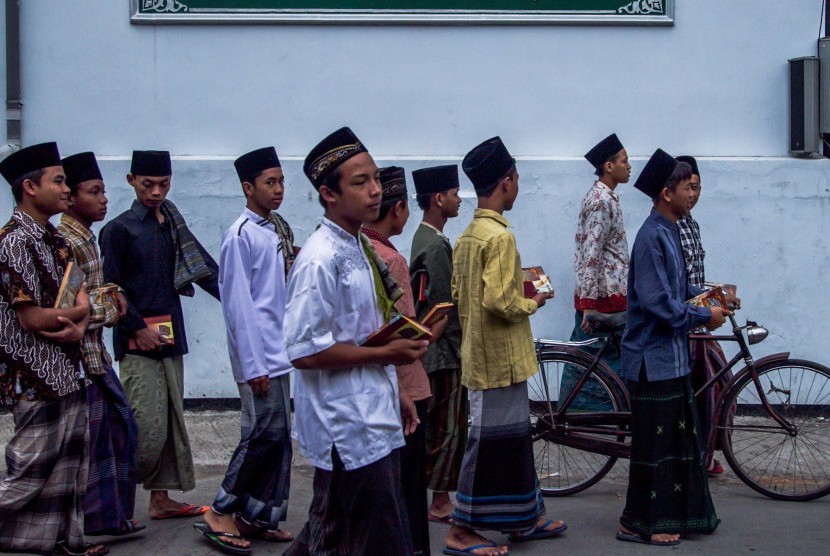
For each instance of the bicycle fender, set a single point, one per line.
(758, 364)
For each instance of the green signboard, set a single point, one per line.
(638, 12)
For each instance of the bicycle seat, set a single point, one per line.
(608, 322)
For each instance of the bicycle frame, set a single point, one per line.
(750, 368)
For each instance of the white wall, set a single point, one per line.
(714, 85)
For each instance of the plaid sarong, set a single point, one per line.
(192, 262)
(113, 472)
(446, 429)
(257, 481)
(498, 489)
(42, 491)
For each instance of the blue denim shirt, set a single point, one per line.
(659, 318)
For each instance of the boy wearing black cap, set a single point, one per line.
(600, 262)
(668, 494)
(41, 375)
(391, 220)
(257, 253)
(149, 251)
(110, 493)
(431, 272)
(347, 417)
(498, 489)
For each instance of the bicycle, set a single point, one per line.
(772, 416)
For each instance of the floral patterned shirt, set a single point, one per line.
(33, 259)
(601, 261)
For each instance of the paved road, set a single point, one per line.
(751, 523)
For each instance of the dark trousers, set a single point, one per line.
(356, 512)
(414, 478)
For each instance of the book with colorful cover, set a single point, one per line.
(71, 283)
(162, 324)
(713, 297)
(536, 281)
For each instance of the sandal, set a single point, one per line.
(540, 533)
(226, 547)
(643, 539)
(87, 550)
(129, 527)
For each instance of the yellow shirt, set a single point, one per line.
(488, 287)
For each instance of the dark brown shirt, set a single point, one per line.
(33, 259)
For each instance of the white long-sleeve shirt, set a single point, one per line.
(252, 285)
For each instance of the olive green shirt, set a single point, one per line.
(431, 272)
(487, 284)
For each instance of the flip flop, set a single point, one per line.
(184, 511)
(539, 533)
(213, 538)
(469, 550)
(128, 528)
(634, 537)
(264, 536)
(447, 519)
(62, 547)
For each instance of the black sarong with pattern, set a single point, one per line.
(668, 491)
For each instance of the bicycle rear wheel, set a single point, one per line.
(561, 469)
(761, 452)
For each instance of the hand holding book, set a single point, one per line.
(402, 326)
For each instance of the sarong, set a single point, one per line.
(668, 491)
(592, 396)
(498, 489)
(446, 433)
(706, 358)
(258, 478)
(356, 512)
(155, 389)
(41, 494)
(110, 494)
(413, 476)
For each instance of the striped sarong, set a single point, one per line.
(257, 481)
(446, 429)
(498, 489)
(42, 491)
(113, 472)
(667, 487)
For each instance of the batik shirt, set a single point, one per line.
(33, 259)
(332, 299)
(658, 317)
(601, 261)
(96, 359)
(692, 250)
(252, 291)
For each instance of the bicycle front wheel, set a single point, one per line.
(561, 469)
(781, 464)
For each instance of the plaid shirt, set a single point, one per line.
(692, 250)
(85, 253)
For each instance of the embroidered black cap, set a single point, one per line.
(331, 152)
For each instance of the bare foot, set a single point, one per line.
(460, 538)
(660, 538)
(441, 506)
(224, 524)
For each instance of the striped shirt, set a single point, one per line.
(96, 359)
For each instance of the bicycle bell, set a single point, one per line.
(754, 333)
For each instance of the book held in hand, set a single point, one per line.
(536, 281)
(408, 328)
(162, 324)
(713, 297)
(71, 283)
